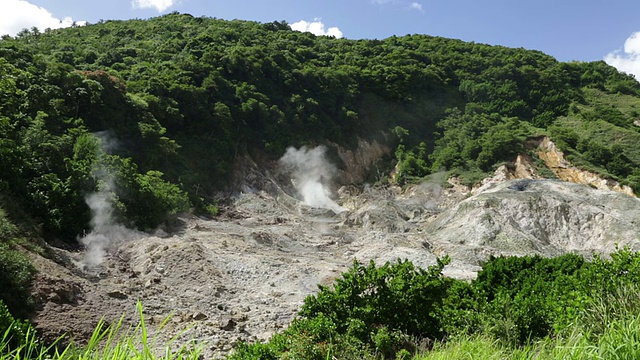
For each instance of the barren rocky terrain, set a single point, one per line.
(243, 275)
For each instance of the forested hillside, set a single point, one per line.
(156, 111)
(152, 115)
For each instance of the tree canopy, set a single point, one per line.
(181, 97)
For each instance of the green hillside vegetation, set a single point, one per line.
(600, 134)
(183, 97)
(157, 111)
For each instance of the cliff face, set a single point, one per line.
(555, 161)
(360, 162)
(524, 167)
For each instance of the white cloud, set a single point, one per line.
(317, 28)
(159, 5)
(627, 59)
(16, 15)
(416, 6)
(400, 4)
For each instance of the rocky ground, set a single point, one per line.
(240, 276)
(243, 275)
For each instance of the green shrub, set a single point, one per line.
(565, 138)
(525, 296)
(13, 333)
(16, 274)
(399, 296)
(390, 342)
(7, 229)
(522, 299)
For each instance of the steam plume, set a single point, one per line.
(105, 231)
(311, 175)
(434, 189)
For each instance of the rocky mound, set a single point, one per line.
(546, 217)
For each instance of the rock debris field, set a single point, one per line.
(243, 275)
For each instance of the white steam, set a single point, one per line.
(433, 190)
(105, 231)
(311, 175)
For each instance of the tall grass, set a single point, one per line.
(108, 342)
(608, 329)
(466, 348)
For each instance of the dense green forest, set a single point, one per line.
(165, 105)
(156, 112)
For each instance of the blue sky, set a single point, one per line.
(584, 30)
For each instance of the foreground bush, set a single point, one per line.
(608, 328)
(16, 274)
(396, 296)
(522, 298)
